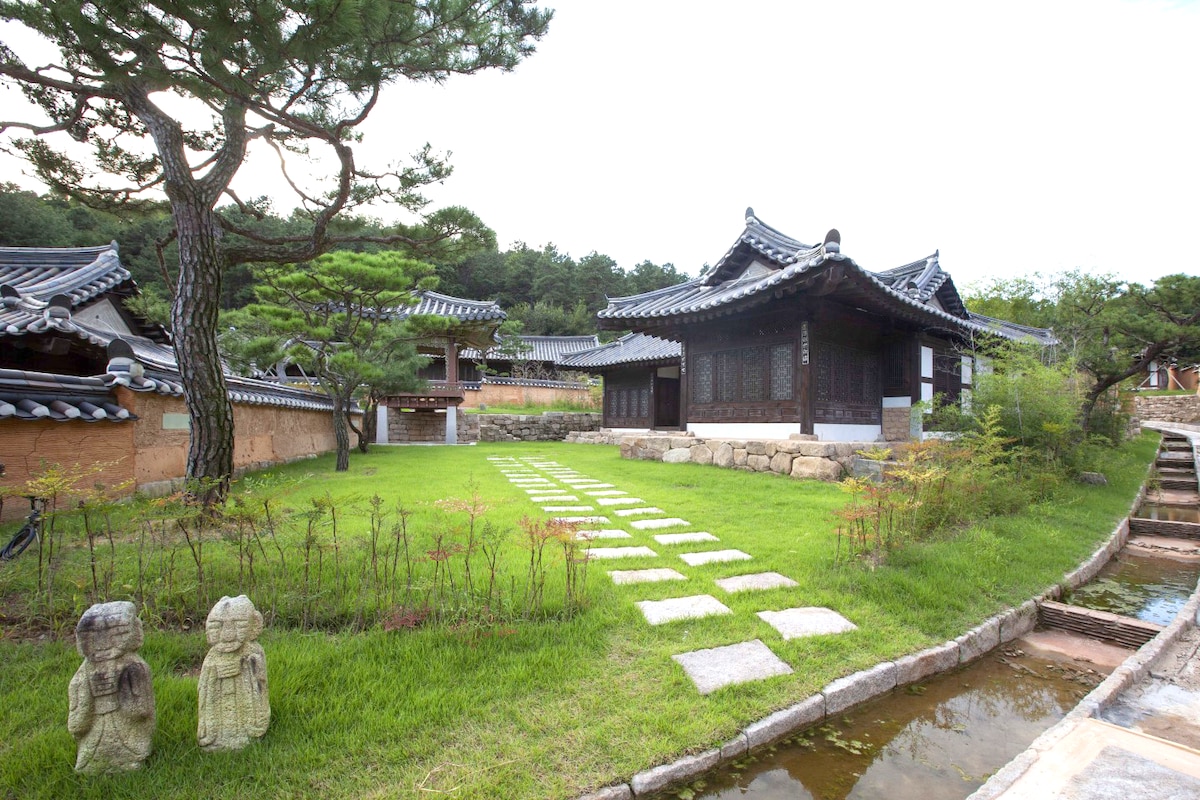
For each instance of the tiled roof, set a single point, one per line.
(723, 290)
(38, 395)
(541, 348)
(1015, 332)
(442, 305)
(81, 273)
(632, 348)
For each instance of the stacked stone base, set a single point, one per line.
(553, 426)
(1169, 408)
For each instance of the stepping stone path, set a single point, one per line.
(702, 605)
(714, 557)
(736, 663)
(607, 533)
(684, 538)
(794, 623)
(759, 580)
(709, 669)
(621, 552)
(620, 576)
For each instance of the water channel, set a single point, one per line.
(941, 739)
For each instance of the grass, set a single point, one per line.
(547, 708)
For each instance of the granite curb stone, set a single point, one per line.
(685, 769)
(859, 687)
(783, 723)
(931, 661)
(979, 640)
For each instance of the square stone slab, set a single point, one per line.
(759, 580)
(620, 552)
(713, 557)
(645, 575)
(605, 493)
(544, 491)
(581, 519)
(580, 481)
(796, 622)
(658, 612)
(637, 512)
(598, 486)
(552, 498)
(736, 663)
(618, 501)
(607, 533)
(568, 508)
(680, 538)
(666, 522)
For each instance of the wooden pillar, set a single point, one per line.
(451, 383)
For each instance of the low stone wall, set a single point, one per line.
(428, 426)
(552, 426)
(1169, 408)
(799, 458)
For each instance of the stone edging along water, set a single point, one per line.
(868, 684)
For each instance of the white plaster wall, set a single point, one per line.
(743, 430)
(897, 402)
(381, 425)
(847, 433)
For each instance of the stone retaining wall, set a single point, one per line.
(799, 458)
(429, 426)
(552, 426)
(1169, 408)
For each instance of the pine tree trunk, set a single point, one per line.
(194, 330)
(370, 426)
(341, 431)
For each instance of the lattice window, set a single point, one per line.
(702, 379)
(754, 374)
(727, 376)
(643, 402)
(783, 371)
(624, 395)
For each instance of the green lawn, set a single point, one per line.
(549, 709)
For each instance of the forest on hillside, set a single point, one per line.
(548, 291)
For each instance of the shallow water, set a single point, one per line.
(1169, 513)
(939, 740)
(1144, 587)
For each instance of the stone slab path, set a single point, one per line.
(553, 485)
(793, 623)
(758, 580)
(621, 552)
(606, 533)
(714, 557)
(658, 612)
(685, 538)
(621, 576)
(736, 663)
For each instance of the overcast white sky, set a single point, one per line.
(1014, 136)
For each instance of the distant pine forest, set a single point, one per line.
(548, 291)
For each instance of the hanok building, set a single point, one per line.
(72, 353)
(780, 337)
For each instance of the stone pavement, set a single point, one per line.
(553, 485)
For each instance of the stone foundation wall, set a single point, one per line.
(799, 458)
(429, 426)
(897, 424)
(553, 426)
(1171, 408)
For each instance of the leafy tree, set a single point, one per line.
(300, 76)
(330, 316)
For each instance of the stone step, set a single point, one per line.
(637, 512)
(665, 522)
(685, 538)
(1102, 625)
(621, 552)
(606, 533)
(732, 664)
(659, 612)
(623, 576)
(757, 581)
(795, 623)
(1162, 527)
(714, 557)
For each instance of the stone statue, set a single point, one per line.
(234, 708)
(112, 696)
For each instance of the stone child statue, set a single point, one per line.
(234, 708)
(112, 697)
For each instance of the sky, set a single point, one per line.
(1013, 137)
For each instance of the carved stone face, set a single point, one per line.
(232, 622)
(107, 631)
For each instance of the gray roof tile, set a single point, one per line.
(632, 348)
